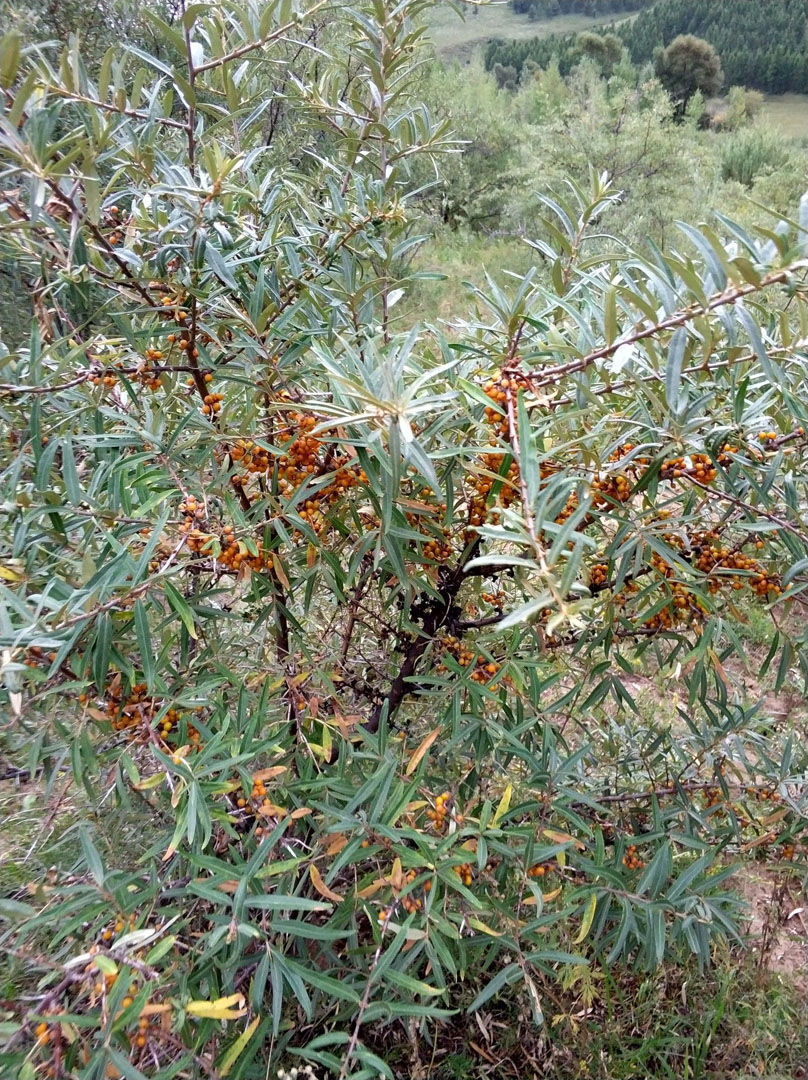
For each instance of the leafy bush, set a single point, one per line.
(345, 610)
(742, 106)
(750, 153)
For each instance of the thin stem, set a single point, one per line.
(548, 376)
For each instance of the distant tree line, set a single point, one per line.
(549, 9)
(514, 57)
(760, 45)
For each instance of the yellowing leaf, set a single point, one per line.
(589, 916)
(338, 842)
(420, 752)
(370, 890)
(238, 1047)
(321, 887)
(766, 838)
(546, 897)
(271, 773)
(397, 875)
(504, 805)
(225, 1008)
(562, 838)
(150, 782)
(225, 886)
(279, 571)
(156, 1010)
(484, 928)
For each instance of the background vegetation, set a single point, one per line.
(403, 551)
(760, 45)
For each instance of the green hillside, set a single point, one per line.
(457, 35)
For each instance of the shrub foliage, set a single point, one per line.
(348, 611)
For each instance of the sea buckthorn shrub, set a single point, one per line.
(347, 610)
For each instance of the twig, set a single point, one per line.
(548, 376)
(349, 1053)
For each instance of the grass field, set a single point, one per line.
(788, 113)
(456, 37)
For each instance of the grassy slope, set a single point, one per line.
(788, 113)
(456, 38)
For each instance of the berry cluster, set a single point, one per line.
(193, 511)
(438, 549)
(439, 814)
(148, 376)
(128, 710)
(234, 555)
(135, 711)
(723, 566)
(115, 224)
(496, 600)
(712, 796)
(108, 380)
(258, 803)
(212, 404)
(714, 559)
(483, 484)
(607, 488)
(409, 902)
(302, 457)
(540, 870)
(631, 860)
(497, 390)
(484, 670)
(89, 986)
(465, 873)
(699, 466)
(253, 458)
(684, 606)
(37, 657)
(764, 794)
(598, 575)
